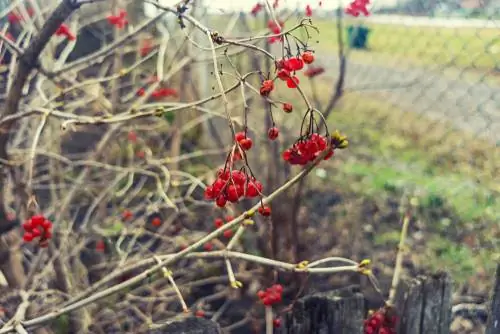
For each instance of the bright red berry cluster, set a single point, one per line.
(64, 30)
(307, 149)
(272, 295)
(120, 20)
(289, 66)
(380, 322)
(357, 7)
(38, 227)
(231, 186)
(243, 140)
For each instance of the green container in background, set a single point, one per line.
(357, 36)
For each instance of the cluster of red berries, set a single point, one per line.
(380, 322)
(64, 31)
(306, 150)
(219, 222)
(38, 227)
(286, 72)
(119, 20)
(256, 9)
(243, 140)
(357, 7)
(232, 186)
(271, 295)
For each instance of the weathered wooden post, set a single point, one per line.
(424, 304)
(493, 326)
(340, 312)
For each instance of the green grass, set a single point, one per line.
(465, 49)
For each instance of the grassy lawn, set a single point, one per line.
(463, 49)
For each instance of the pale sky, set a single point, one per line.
(246, 5)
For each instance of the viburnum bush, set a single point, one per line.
(124, 176)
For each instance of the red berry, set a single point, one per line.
(200, 314)
(246, 144)
(208, 246)
(253, 189)
(218, 222)
(36, 233)
(27, 226)
(132, 136)
(209, 192)
(283, 74)
(308, 57)
(240, 136)
(127, 214)
(292, 82)
(28, 237)
(266, 87)
(265, 211)
(295, 64)
(229, 218)
(47, 224)
(238, 177)
(100, 246)
(221, 201)
(273, 133)
(277, 323)
(287, 107)
(37, 220)
(140, 154)
(228, 233)
(156, 221)
(232, 193)
(261, 294)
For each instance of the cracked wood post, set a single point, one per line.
(424, 304)
(340, 311)
(191, 325)
(493, 326)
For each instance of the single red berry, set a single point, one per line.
(208, 246)
(295, 64)
(261, 294)
(240, 136)
(218, 222)
(287, 107)
(47, 224)
(127, 214)
(267, 87)
(223, 174)
(232, 193)
(228, 233)
(140, 154)
(28, 237)
(246, 144)
(273, 133)
(292, 82)
(238, 177)
(156, 221)
(265, 211)
(309, 11)
(277, 323)
(308, 57)
(221, 201)
(283, 74)
(36, 233)
(209, 192)
(100, 246)
(27, 226)
(267, 301)
(229, 218)
(200, 314)
(37, 220)
(132, 136)
(252, 189)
